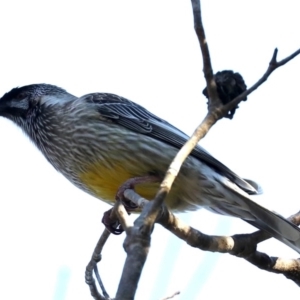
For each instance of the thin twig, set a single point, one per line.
(123, 216)
(105, 294)
(273, 65)
(135, 198)
(295, 218)
(214, 99)
(92, 265)
(172, 296)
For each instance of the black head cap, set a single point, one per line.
(17, 102)
(32, 90)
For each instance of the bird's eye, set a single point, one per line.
(20, 96)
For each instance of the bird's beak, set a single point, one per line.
(13, 107)
(3, 107)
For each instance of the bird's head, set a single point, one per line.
(20, 102)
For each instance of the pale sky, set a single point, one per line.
(146, 51)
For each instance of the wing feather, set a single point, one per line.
(134, 117)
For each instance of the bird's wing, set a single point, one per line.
(134, 117)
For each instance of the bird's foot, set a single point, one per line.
(112, 224)
(129, 185)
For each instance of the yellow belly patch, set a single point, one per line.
(104, 181)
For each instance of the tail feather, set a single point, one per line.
(255, 185)
(260, 217)
(275, 224)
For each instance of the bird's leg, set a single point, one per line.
(111, 222)
(129, 185)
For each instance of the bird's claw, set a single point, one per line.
(112, 225)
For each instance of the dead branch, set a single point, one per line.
(92, 266)
(138, 235)
(240, 245)
(138, 238)
(207, 66)
(273, 65)
(172, 296)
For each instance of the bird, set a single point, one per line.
(101, 140)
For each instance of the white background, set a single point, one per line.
(146, 51)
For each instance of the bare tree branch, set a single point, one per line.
(136, 245)
(295, 218)
(172, 296)
(240, 245)
(207, 66)
(92, 266)
(290, 268)
(138, 236)
(273, 65)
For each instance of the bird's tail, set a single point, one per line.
(236, 202)
(264, 219)
(255, 185)
(276, 225)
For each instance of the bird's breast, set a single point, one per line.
(103, 179)
(98, 157)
